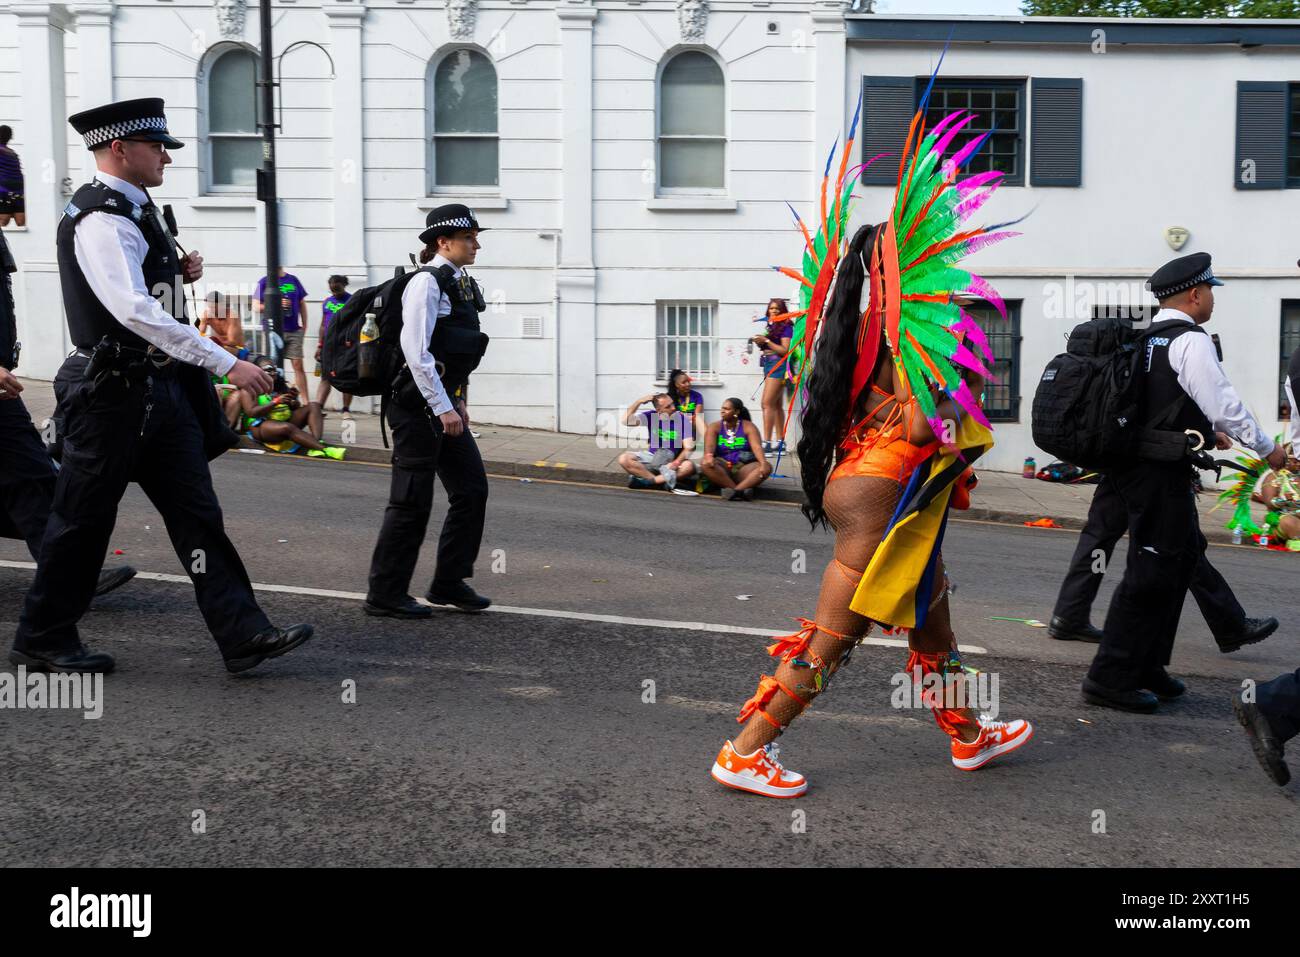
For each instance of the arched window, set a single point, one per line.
(234, 142)
(463, 108)
(692, 123)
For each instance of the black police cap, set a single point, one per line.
(1182, 273)
(141, 119)
(448, 219)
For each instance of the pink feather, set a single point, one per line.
(975, 334)
(978, 287)
(967, 401)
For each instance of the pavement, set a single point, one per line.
(591, 459)
(575, 722)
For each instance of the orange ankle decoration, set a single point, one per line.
(789, 647)
(767, 688)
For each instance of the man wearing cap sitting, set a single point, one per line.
(442, 344)
(1190, 402)
(137, 405)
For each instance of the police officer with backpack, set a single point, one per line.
(137, 404)
(428, 410)
(1188, 404)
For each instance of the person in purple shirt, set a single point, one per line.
(329, 308)
(670, 442)
(775, 362)
(293, 310)
(12, 202)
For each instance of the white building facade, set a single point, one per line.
(633, 159)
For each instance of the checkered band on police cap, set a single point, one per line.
(117, 131)
(460, 222)
(1205, 275)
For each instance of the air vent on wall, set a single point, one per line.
(532, 327)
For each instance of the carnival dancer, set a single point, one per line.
(891, 426)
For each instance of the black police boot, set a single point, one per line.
(271, 643)
(111, 578)
(1141, 702)
(1251, 631)
(1063, 630)
(79, 660)
(1265, 743)
(1164, 685)
(407, 608)
(457, 593)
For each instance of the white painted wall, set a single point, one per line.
(1150, 161)
(1159, 128)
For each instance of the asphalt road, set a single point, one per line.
(537, 724)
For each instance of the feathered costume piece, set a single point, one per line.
(914, 275)
(1239, 492)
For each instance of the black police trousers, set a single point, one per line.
(1107, 522)
(115, 434)
(420, 451)
(1164, 546)
(1279, 701)
(26, 477)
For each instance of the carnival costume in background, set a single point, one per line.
(887, 491)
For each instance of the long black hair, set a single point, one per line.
(742, 413)
(829, 403)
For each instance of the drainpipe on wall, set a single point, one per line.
(556, 235)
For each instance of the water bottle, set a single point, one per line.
(1030, 469)
(1236, 535)
(367, 350)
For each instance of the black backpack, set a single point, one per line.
(368, 368)
(1088, 409)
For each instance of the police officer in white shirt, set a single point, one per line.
(442, 344)
(1188, 403)
(137, 404)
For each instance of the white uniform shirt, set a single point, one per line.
(1202, 377)
(110, 250)
(423, 304)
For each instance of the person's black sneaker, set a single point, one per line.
(79, 660)
(1063, 630)
(637, 481)
(1252, 630)
(457, 593)
(111, 578)
(746, 494)
(1262, 739)
(407, 608)
(1164, 685)
(1141, 702)
(271, 643)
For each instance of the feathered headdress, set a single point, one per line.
(914, 276)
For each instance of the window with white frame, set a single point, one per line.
(464, 144)
(234, 143)
(692, 124)
(686, 338)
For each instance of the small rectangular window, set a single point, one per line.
(1290, 341)
(1001, 398)
(999, 107)
(686, 338)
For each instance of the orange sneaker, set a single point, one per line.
(996, 738)
(757, 773)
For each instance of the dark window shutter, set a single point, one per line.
(1261, 135)
(1056, 132)
(888, 105)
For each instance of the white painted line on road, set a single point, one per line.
(532, 612)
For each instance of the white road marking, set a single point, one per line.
(532, 612)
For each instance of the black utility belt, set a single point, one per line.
(1166, 445)
(111, 358)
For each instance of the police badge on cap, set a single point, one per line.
(448, 219)
(141, 119)
(1182, 273)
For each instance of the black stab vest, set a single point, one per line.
(88, 320)
(8, 317)
(457, 341)
(1161, 388)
